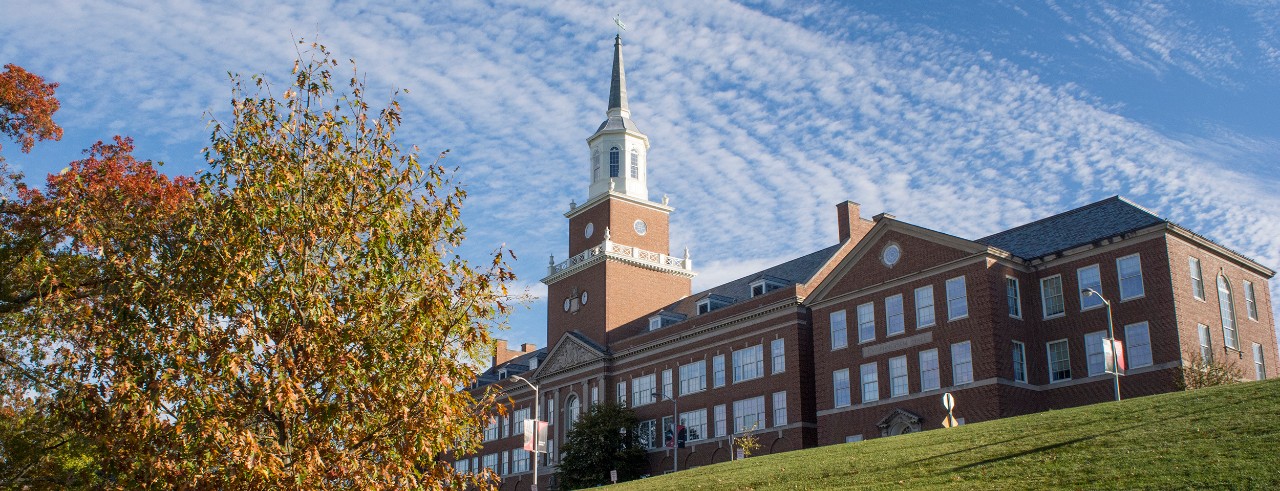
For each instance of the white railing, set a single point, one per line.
(610, 248)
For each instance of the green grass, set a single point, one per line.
(1217, 438)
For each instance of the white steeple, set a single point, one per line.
(619, 151)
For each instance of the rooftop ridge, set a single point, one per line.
(1073, 211)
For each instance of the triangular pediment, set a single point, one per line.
(570, 351)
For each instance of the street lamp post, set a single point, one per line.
(537, 418)
(1111, 334)
(675, 430)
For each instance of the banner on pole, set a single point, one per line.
(1111, 361)
(535, 435)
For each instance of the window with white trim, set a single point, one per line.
(840, 384)
(614, 157)
(748, 414)
(720, 417)
(1051, 296)
(490, 462)
(1059, 360)
(957, 299)
(778, 361)
(1250, 302)
(491, 431)
(517, 420)
(642, 389)
(520, 460)
(1097, 362)
(1227, 309)
(1197, 278)
(1259, 365)
(748, 363)
(1206, 343)
(655, 323)
(635, 164)
(1089, 277)
(668, 387)
(572, 409)
(1013, 297)
(1137, 345)
(1019, 362)
(595, 165)
(870, 382)
(622, 393)
(717, 371)
(924, 306)
(929, 379)
(898, 376)
(961, 363)
(695, 425)
(693, 377)
(595, 395)
(648, 431)
(506, 462)
(894, 323)
(1129, 269)
(866, 322)
(780, 408)
(839, 330)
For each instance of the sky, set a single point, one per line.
(965, 117)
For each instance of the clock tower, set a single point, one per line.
(620, 265)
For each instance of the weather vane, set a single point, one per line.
(617, 19)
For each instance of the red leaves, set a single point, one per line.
(27, 105)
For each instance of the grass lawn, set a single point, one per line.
(1217, 438)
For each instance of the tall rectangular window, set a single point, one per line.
(642, 389)
(924, 306)
(1137, 345)
(648, 431)
(748, 414)
(668, 387)
(1089, 278)
(1019, 362)
(1051, 296)
(780, 408)
(1259, 365)
(695, 425)
(720, 418)
(1059, 360)
(961, 363)
(693, 377)
(1013, 296)
(717, 371)
(898, 377)
(893, 315)
(1130, 272)
(622, 393)
(1250, 301)
(866, 322)
(1093, 352)
(748, 363)
(870, 383)
(1227, 307)
(491, 431)
(957, 299)
(840, 384)
(1197, 278)
(839, 330)
(506, 462)
(517, 420)
(778, 361)
(519, 461)
(929, 379)
(1206, 343)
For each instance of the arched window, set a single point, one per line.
(595, 165)
(635, 164)
(571, 411)
(1228, 309)
(613, 162)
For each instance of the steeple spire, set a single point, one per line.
(618, 86)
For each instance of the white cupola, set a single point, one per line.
(619, 151)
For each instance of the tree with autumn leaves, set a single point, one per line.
(297, 316)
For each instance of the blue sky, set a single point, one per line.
(966, 117)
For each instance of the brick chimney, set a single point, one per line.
(502, 355)
(850, 221)
(528, 348)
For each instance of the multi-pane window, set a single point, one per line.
(1093, 352)
(1051, 296)
(1250, 301)
(648, 431)
(1019, 362)
(780, 408)
(668, 387)
(1206, 343)
(506, 462)
(748, 363)
(748, 414)
(517, 420)
(840, 382)
(595, 165)
(1090, 279)
(502, 426)
(1130, 272)
(551, 409)
(1059, 361)
(961, 363)
(866, 322)
(1137, 341)
(520, 459)
(572, 411)
(491, 431)
(898, 376)
(1197, 278)
(720, 418)
(595, 395)
(870, 383)
(778, 360)
(893, 315)
(1259, 365)
(695, 424)
(642, 389)
(957, 299)
(1227, 308)
(693, 377)
(924, 306)
(1013, 296)
(839, 330)
(490, 461)
(929, 379)
(635, 164)
(622, 393)
(613, 161)
(717, 371)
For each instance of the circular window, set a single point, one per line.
(586, 232)
(891, 254)
(641, 228)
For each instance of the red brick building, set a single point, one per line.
(860, 339)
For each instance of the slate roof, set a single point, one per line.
(1084, 225)
(798, 270)
(514, 366)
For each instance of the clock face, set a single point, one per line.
(891, 254)
(584, 298)
(567, 303)
(586, 232)
(641, 228)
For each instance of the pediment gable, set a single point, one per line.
(570, 351)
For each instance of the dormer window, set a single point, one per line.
(614, 164)
(713, 302)
(765, 285)
(664, 319)
(533, 363)
(502, 374)
(655, 323)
